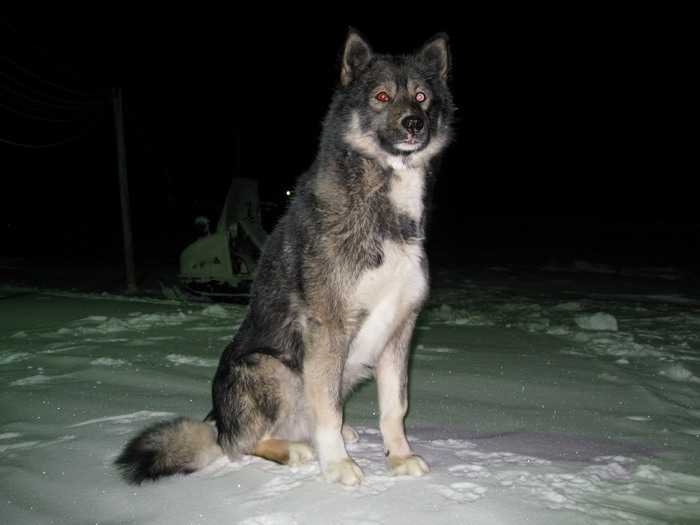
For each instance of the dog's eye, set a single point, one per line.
(420, 96)
(382, 96)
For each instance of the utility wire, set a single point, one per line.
(94, 124)
(48, 100)
(30, 73)
(67, 140)
(37, 146)
(43, 51)
(34, 117)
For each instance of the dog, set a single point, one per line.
(338, 286)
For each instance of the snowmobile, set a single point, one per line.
(220, 266)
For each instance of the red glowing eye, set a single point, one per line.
(420, 96)
(382, 96)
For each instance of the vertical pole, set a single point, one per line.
(124, 190)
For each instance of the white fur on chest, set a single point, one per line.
(407, 187)
(387, 294)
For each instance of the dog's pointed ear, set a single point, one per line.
(435, 55)
(356, 56)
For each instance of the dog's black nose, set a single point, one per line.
(413, 123)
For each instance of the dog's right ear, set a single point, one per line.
(356, 56)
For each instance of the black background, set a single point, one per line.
(572, 137)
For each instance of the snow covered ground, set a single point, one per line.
(554, 398)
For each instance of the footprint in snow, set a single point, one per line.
(274, 488)
(279, 518)
(461, 492)
(468, 471)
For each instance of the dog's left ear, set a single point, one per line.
(435, 54)
(356, 56)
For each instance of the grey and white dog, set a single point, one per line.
(338, 287)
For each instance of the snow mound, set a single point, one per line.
(677, 372)
(598, 322)
(102, 325)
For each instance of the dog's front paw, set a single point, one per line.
(344, 471)
(409, 466)
(299, 453)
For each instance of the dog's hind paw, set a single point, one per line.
(409, 466)
(299, 453)
(345, 472)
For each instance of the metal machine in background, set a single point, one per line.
(221, 265)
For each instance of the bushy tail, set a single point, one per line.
(180, 446)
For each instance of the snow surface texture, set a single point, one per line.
(531, 403)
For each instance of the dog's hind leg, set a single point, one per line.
(392, 385)
(350, 435)
(248, 403)
(283, 451)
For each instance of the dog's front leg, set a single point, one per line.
(325, 352)
(392, 385)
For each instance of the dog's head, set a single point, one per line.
(395, 106)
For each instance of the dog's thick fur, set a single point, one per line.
(338, 287)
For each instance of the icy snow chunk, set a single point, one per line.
(457, 444)
(106, 361)
(668, 478)
(568, 307)
(112, 325)
(444, 313)
(39, 379)
(125, 419)
(535, 325)
(579, 266)
(597, 321)
(12, 357)
(457, 316)
(180, 359)
(19, 335)
(461, 492)
(585, 266)
(146, 321)
(436, 349)
(677, 372)
(279, 518)
(215, 310)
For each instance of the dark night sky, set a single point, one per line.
(573, 113)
